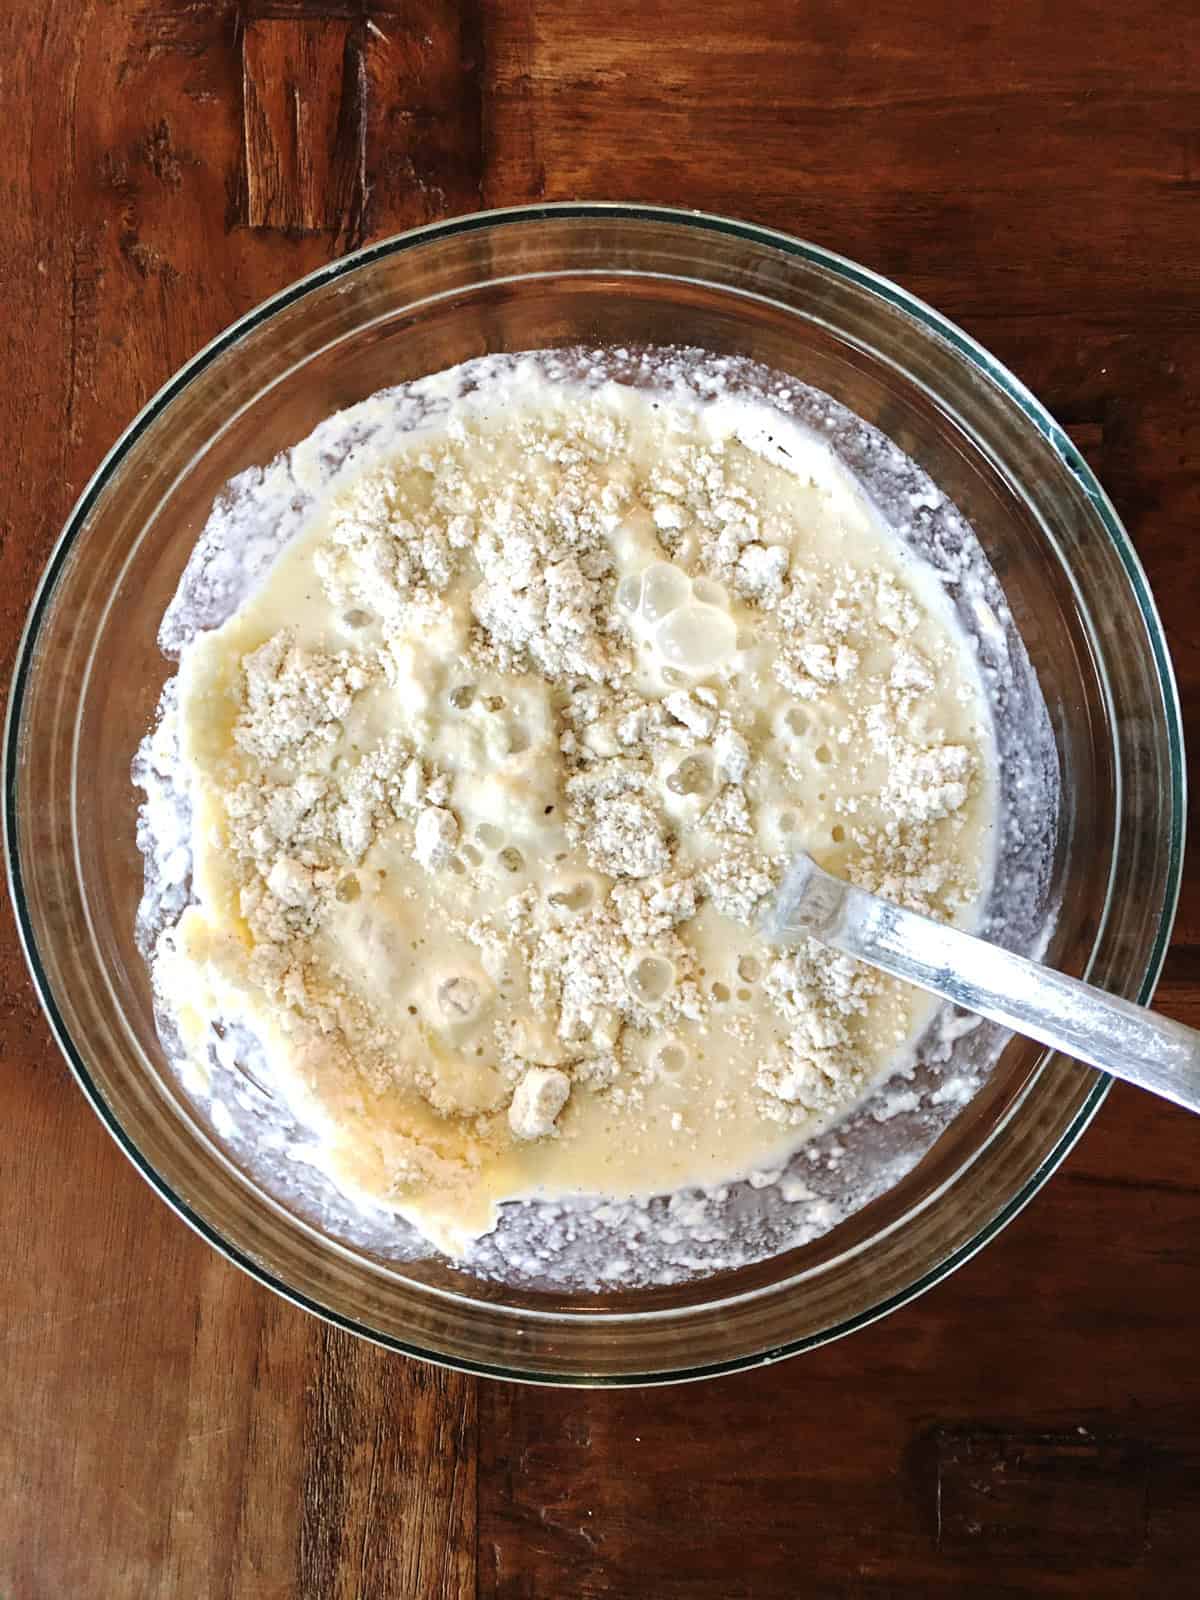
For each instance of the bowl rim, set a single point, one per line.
(515, 216)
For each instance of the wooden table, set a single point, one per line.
(167, 1427)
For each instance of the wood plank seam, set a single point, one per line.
(351, 109)
(304, 127)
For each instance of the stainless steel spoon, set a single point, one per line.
(1127, 1040)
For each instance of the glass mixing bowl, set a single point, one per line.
(89, 673)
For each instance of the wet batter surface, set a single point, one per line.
(491, 772)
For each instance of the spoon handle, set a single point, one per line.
(1126, 1040)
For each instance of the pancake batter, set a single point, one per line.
(491, 773)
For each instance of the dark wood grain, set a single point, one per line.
(1031, 1426)
(304, 111)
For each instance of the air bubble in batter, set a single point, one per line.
(575, 896)
(697, 638)
(650, 979)
(664, 589)
(671, 1060)
(691, 776)
(710, 593)
(629, 592)
(458, 999)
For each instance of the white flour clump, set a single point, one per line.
(481, 833)
(537, 1101)
(295, 700)
(434, 837)
(624, 837)
(819, 992)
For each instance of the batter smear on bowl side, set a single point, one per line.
(490, 754)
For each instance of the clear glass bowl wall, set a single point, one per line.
(90, 673)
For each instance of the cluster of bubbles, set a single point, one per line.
(650, 979)
(686, 619)
(806, 737)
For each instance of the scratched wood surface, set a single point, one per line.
(1032, 1426)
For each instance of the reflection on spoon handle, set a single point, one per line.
(1145, 1049)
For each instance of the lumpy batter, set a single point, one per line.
(491, 773)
